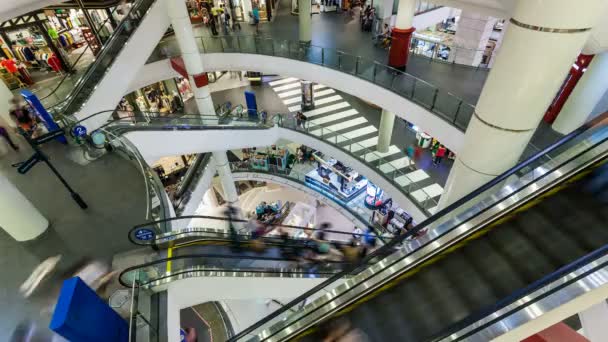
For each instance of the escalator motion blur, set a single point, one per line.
(540, 225)
(516, 251)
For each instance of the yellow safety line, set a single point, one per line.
(169, 255)
(460, 244)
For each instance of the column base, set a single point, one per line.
(400, 47)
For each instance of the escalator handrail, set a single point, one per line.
(200, 159)
(214, 256)
(387, 249)
(183, 231)
(99, 27)
(519, 294)
(104, 50)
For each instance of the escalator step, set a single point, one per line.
(498, 273)
(471, 285)
(529, 262)
(583, 219)
(443, 293)
(547, 235)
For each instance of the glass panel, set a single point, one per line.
(404, 84)
(424, 93)
(330, 58)
(446, 105)
(365, 69)
(313, 54)
(212, 44)
(247, 44)
(385, 75)
(281, 48)
(264, 46)
(465, 112)
(347, 63)
(230, 43)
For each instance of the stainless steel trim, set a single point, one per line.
(547, 29)
(420, 250)
(206, 271)
(500, 128)
(537, 303)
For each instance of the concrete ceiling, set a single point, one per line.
(10, 9)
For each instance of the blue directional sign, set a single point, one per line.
(144, 234)
(42, 113)
(79, 131)
(182, 335)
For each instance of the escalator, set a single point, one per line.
(113, 50)
(513, 254)
(488, 257)
(211, 251)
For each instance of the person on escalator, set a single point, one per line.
(232, 214)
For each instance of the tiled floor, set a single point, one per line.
(340, 123)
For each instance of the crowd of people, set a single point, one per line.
(313, 252)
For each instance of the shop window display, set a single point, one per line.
(25, 52)
(157, 99)
(334, 176)
(171, 171)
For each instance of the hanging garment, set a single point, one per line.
(54, 63)
(28, 54)
(53, 33)
(63, 41)
(9, 65)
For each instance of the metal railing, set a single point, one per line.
(444, 104)
(397, 175)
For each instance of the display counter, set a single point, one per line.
(332, 175)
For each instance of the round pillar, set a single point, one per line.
(20, 219)
(519, 88)
(223, 169)
(180, 20)
(401, 36)
(385, 133)
(305, 20)
(585, 96)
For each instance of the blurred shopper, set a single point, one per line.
(232, 214)
(4, 134)
(256, 18)
(340, 329)
(38, 275)
(357, 233)
(439, 155)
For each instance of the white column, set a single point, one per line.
(387, 121)
(20, 219)
(180, 20)
(385, 10)
(471, 37)
(585, 96)
(594, 322)
(519, 88)
(405, 14)
(246, 9)
(305, 20)
(223, 169)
